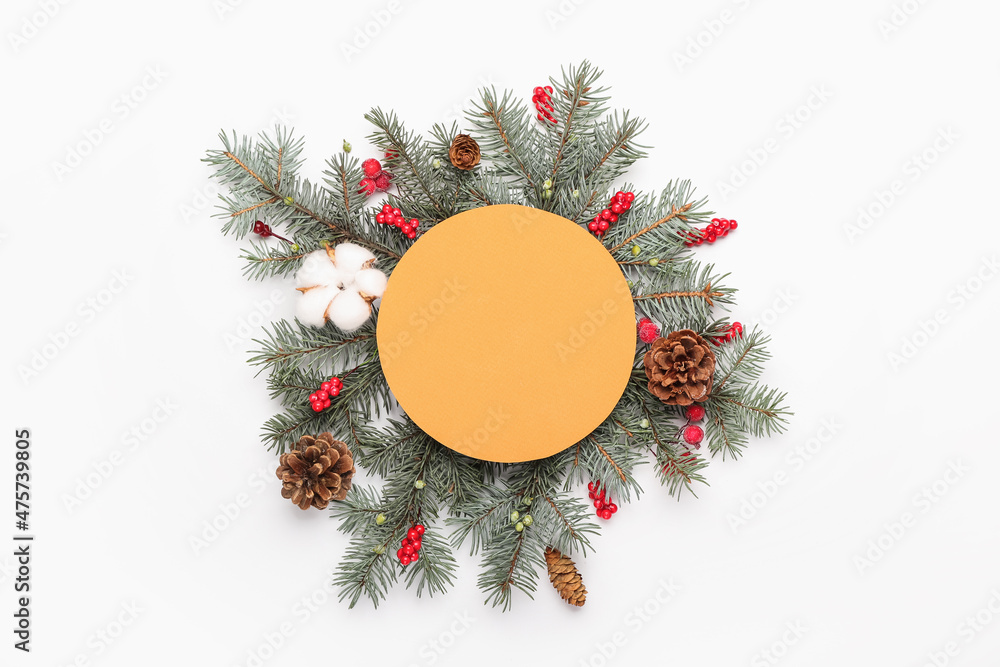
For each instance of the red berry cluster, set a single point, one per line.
(393, 216)
(375, 178)
(648, 330)
(320, 400)
(693, 435)
(620, 202)
(543, 103)
(605, 506)
(718, 228)
(735, 330)
(409, 550)
(263, 230)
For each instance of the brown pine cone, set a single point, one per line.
(464, 152)
(315, 471)
(680, 368)
(565, 578)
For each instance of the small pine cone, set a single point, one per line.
(680, 368)
(565, 578)
(315, 471)
(464, 152)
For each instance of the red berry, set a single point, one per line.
(313, 398)
(408, 550)
(603, 225)
(710, 237)
(372, 167)
(605, 514)
(326, 386)
(391, 155)
(416, 545)
(380, 218)
(612, 219)
(400, 554)
(412, 533)
(405, 560)
(693, 434)
(414, 222)
(406, 542)
(606, 214)
(648, 330)
(599, 504)
(613, 508)
(630, 197)
(590, 486)
(548, 89)
(317, 407)
(322, 395)
(414, 556)
(366, 186)
(383, 181)
(617, 208)
(420, 529)
(335, 391)
(737, 327)
(326, 404)
(592, 226)
(732, 225)
(411, 235)
(539, 90)
(695, 413)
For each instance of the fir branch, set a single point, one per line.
(674, 213)
(707, 294)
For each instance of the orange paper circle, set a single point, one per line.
(507, 333)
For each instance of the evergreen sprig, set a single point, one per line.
(506, 514)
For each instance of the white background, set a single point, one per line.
(837, 305)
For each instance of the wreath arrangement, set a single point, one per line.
(487, 312)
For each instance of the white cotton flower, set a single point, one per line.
(338, 285)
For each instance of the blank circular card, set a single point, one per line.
(507, 333)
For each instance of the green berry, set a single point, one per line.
(547, 194)
(288, 201)
(547, 184)
(636, 250)
(419, 484)
(527, 520)
(644, 423)
(527, 500)
(379, 550)
(654, 262)
(514, 516)
(575, 194)
(630, 284)
(380, 519)
(295, 247)
(347, 146)
(436, 163)
(519, 526)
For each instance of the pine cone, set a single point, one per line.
(565, 578)
(464, 152)
(680, 368)
(315, 471)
